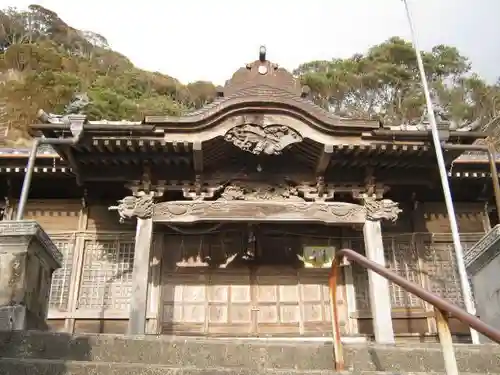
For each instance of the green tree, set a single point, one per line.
(385, 82)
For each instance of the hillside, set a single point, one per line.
(45, 63)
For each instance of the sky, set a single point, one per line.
(209, 40)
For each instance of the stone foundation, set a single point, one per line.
(27, 260)
(50, 353)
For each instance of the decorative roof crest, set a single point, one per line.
(262, 72)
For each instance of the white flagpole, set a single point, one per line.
(459, 253)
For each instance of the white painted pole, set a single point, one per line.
(459, 253)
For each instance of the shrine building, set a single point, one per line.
(223, 221)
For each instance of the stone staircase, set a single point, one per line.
(61, 354)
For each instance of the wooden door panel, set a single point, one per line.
(185, 303)
(277, 301)
(315, 303)
(229, 303)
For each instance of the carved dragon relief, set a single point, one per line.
(381, 209)
(270, 140)
(140, 206)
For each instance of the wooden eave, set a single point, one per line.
(143, 134)
(113, 146)
(178, 160)
(472, 166)
(16, 164)
(260, 98)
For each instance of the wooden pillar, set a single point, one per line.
(350, 292)
(380, 300)
(76, 275)
(140, 276)
(153, 316)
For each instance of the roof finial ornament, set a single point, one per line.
(262, 53)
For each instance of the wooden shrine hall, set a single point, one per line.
(223, 221)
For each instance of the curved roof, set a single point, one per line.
(261, 84)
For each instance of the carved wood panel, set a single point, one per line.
(262, 302)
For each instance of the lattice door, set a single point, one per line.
(401, 256)
(61, 278)
(106, 281)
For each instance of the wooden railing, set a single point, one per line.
(442, 309)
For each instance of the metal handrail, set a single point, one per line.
(442, 309)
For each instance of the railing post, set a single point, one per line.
(446, 341)
(441, 307)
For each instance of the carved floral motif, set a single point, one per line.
(270, 140)
(184, 211)
(383, 209)
(260, 192)
(140, 206)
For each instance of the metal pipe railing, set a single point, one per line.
(76, 128)
(442, 307)
(490, 151)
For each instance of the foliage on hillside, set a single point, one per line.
(44, 62)
(385, 82)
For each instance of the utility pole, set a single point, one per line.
(459, 253)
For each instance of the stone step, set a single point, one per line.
(10, 366)
(200, 353)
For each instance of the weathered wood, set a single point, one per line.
(378, 286)
(324, 159)
(270, 301)
(54, 215)
(198, 157)
(140, 277)
(247, 211)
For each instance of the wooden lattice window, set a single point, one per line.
(442, 271)
(401, 257)
(61, 278)
(106, 282)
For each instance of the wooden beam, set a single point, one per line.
(133, 172)
(130, 157)
(324, 160)
(75, 165)
(198, 157)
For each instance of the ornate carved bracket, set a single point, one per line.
(383, 209)
(140, 206)
(270, 140)
(318, 193)
(198, 192)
